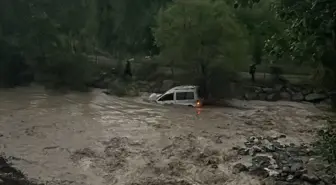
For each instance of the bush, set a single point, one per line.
(326, 144)
(122, 87)
(13, 68)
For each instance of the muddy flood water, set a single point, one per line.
(96, 139)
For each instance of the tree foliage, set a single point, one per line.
(37, 36)
(260, 21)
(310, 34)
(41, 36)
(201, 35)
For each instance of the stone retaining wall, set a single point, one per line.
(287, 93)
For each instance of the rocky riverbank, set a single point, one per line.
(282, 164)
(287, 92)
(12, 176)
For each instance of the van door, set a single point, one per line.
(185, 98)
(167, 99)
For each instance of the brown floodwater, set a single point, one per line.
(96, 139)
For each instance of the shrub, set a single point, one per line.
(13, 68)
(123, 87)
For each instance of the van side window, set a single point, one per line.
(167, 97)
(185, 96)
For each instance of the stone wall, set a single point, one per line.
(286, 93)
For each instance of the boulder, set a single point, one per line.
(310, 178)
(243, 151)
(306, 91)
(254, 150)
(272, 173)
(328, 179)
(286, 169)
(258, 171)
(237, 168)
(282, 136)
(290, 178)
(251, 96)
(285, 96)
(261, 161)
(268, 146)
(267, 90)
(313, 97)
(268, 181)
(297, 97)
(321, 183)
(273, 97)
(296, 167)
(289, 90)
(254, 140)
(262, 96)
(278, 87)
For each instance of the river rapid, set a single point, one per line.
(96, 139)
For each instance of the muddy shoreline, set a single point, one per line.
(92, 138)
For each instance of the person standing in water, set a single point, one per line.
(252, 71)
(128, 70)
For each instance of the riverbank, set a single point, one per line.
(92, 138)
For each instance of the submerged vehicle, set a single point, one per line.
(181, 95)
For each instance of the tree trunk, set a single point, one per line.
(204, 81)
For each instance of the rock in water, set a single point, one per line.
(290, 178)
(243, 151)
(268, 146)
(296, 167)
(298, 97)
(262, 96)
(267, 90)
(258, 171)
(268, 181)
(251, 96)
(237, 168)
(272, 173)
(328, 179)
(286, 169)
(254, 150)
(273, 97)
(310, 178)
(285, 96)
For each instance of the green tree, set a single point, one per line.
(310, 35)
(203, 35)
(125, 26)
(39, 36)
(261, 23)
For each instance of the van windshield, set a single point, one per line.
(167, 97)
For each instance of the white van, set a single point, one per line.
(181, 95)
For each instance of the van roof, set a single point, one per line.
(183, 87)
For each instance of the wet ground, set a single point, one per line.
(95, 139)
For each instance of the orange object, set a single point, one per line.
(198, 103)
